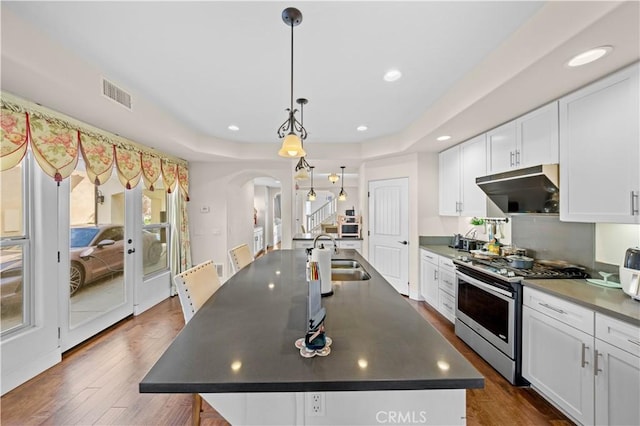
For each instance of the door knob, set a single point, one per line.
(404, 242)
(131, 251)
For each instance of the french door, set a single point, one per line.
(98, 231)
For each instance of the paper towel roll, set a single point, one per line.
(323, 257)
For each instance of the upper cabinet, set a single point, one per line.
(527, 141)
(600, 151)
(458, 169)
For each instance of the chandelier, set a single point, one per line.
(292, 143)
(342, 196)
(302, 168)
(311, 195)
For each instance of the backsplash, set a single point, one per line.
(545, 237)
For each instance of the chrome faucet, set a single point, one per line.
(335, 246)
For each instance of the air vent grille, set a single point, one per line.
(115, 93)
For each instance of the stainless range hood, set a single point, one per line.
(528, 190)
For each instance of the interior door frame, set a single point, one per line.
(405, 274)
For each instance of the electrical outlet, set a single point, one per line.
(315, 404)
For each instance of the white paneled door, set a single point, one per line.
(389, 230)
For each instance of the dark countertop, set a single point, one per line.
(310, 236)
(379, 341)
(609, 301)
(444, 250)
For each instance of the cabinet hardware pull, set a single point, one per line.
(635, 342)
(546, 305)
(595, 362)
(435, 275)
(517, 157)
(583, 359)
(511, 155)
(634, 205)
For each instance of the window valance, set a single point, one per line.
(57, 141)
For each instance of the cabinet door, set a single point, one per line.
(501, 148)
(449, 181)
(617, 375)
(537, 137)
(429, 282)
(599, 151)
(558, 361)
(473, 161)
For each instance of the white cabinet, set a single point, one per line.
(458, 169)
(617, 372)
(600, 151)
(447, 288)
(591, 372)
(438, 283)
(350, 244)
(527, 141)
(556, 359)
(429, 277)
(258, 240)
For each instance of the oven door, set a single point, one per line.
(488, 310)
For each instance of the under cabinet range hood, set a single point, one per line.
(528, 190)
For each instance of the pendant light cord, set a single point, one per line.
(291, 91)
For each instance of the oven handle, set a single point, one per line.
(498, 292)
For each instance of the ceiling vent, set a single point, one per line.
(115, 93)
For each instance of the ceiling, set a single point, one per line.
(194, 68)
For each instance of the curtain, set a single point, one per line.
(57, 141)
(180, 253)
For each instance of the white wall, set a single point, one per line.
(390, 168)
(227, 191)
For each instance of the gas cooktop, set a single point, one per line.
(501, 268)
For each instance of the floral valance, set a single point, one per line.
(57, 141)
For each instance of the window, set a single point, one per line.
(15, 261)
(155, 233)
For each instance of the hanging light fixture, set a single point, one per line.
(292, 143)
(302, 167)
(342, 195)
(311, 195)
(333, 178)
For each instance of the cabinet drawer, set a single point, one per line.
(446, 264)
(357, 245)
(447, 282)
(618, 333)
(302, 244)
(560, 309)
(447, 305)
(428, 256)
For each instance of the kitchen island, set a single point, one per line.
(386, 360)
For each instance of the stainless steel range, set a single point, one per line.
(489, 309)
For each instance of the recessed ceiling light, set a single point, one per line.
(589, 56)
(233, 128)
(362, 128)
(443, 138)
(392, 75)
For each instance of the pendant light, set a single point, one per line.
(302, 167)
(342, 196)
(333, 178)
(292, 143)
(311, 195)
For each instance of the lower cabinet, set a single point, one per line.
(585, 363)
(342, 244)
(438, 283)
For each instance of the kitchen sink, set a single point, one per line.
(349, 275)
(344, 264)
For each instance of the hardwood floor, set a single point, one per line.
(97, 382)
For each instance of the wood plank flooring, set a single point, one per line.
(97, 382)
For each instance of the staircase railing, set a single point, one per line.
(322, 214)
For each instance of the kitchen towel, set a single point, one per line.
(323, 257)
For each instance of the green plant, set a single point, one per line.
(476, 221)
